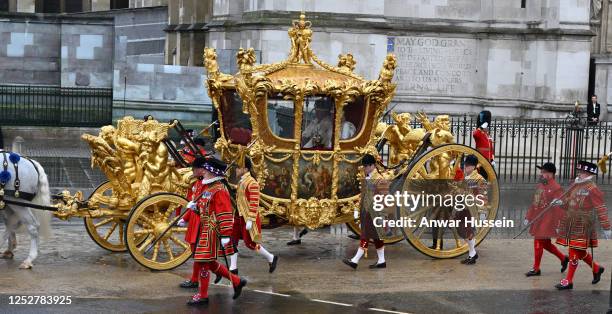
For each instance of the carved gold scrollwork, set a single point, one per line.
(299, 76)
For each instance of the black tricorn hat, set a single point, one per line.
(548, 166)
(587, 166)
(471, 160)
(368, 160)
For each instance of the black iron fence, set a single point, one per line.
(521, 144)
(55, 106)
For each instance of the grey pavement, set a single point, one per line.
(310, 278)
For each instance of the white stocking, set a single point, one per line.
(263, 252)
(233, 261)
(358, 255)
(472, 246)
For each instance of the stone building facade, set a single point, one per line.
(601, 58)
(521, 58)
(73, 6)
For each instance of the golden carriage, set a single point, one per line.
(306, 124)
(135, 209)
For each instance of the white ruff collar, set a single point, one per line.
(209, 181)
(578, 180)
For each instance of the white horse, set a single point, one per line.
(33, 188)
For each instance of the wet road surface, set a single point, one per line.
(310, 278)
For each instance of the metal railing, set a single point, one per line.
(55, 106)
(521, 144)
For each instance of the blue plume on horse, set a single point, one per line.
(14, 158)
(5, 176)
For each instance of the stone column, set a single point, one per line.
(100, 5)
(26, 6)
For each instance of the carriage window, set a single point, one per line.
(281, 117)
(236, 124)
(317, 123)
(352, 119)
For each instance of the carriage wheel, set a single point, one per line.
(150, 218)
(107, 232)
(449, 243)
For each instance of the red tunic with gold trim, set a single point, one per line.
(580, 202)
(546, 226)
(193, 219)
(484, 143)
(215, 215)
(247, 199)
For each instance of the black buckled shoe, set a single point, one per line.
(218, 279)
(273, 264)
(238, 288)
(188, 284)
(196, 300)
(350, 263)
(561, 286)
(564, 264)
(234, 271)
(533, 272)
(470, 260)
(294, 242)
(377, 265)
(597, 275)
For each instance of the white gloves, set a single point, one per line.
(191, 205)
(556, 202)
(525, 222)
(608, 234)
(356, 214)
(493, 163)
(225, 241)
(249, 225)
(181, 223)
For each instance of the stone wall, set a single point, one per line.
(455, 56)
(61, 50)
(139, 31)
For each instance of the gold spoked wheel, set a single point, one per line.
(446, 241)
(150, 218)
(107, 232)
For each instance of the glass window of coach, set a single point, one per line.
(318, 123)
(236, 124)
(281, 117)
(352, 119)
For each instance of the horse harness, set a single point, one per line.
(5, 177)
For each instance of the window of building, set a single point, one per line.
(120, 4)
(71, 6)
(50, 6)
(4, 5)
(523, 4)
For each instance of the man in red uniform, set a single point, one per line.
(247, 222)
(216, 220)
(192, 220)
(583, 201)
(373, 184)
(484, 142)
(545, 221)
